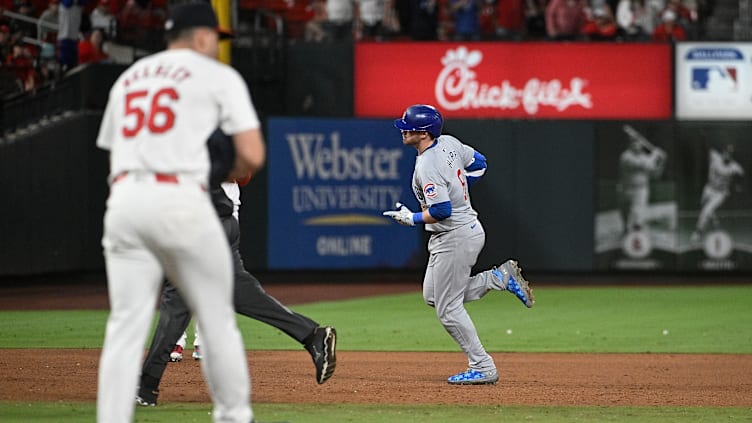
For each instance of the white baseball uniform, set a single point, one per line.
(232, 190)
(160, 222)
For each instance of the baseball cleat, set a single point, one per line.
(176, 354)
(142, 402)
(197, 353)
(147, 397)
(474, 377)
(323, 350)
(510, 274)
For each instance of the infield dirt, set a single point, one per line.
(383, 377)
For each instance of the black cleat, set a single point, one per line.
(323, 349)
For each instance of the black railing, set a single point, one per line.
(76, 91)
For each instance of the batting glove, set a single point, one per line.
(403, 216)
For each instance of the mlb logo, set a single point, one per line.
(714, 79)
(430, 190)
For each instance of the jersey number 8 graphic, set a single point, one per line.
(159, 118)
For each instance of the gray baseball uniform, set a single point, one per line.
(454, 246)
(444, 169)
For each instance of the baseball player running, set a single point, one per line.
(160, 220)
(250, 300)
(721, 171)
(444, 170)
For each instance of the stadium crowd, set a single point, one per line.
(58, 35)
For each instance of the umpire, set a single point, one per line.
(249, 297)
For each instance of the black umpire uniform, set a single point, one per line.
(250, 300)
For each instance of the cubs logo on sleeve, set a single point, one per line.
(430, 190)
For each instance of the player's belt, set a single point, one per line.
(167, 178)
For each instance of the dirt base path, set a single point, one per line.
(367, 377)
(415, 378)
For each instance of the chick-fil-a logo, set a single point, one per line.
(457, 88)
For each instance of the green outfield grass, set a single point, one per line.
(620, 319)
(707, 319)
(375, 413)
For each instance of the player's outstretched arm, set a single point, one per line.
(405, 216)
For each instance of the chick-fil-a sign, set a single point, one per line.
(522, 80)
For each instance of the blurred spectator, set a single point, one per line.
(601, 25)
(466, 16)
(535, 19)
(339, 14)
(402, 11)
(636, 19)
(47, 66)
(564, 19)
(487, 19)
(102, 19)
(21, 28)
(391, 20)
(21, 62)
(51, 15)
(669, 30)
(510, 19)
(315, 30)
(90, 48)
(686, 16)
(70, 15)
(424, 20)
(369, 24)
(5, 5)
(129, 22)
(5, 42)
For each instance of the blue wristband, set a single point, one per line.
(418, 217)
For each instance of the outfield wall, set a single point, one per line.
(550, 198)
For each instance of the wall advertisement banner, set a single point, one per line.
(714, 81)
(515, 80)
(635, 202)
(329, 182)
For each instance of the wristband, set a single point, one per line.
(418, 217)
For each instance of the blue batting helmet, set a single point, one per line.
(421, 117)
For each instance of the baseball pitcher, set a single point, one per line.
(160, 221)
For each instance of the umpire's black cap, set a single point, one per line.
(194, 15)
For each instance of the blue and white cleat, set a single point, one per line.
(474, 377)
(510, 274)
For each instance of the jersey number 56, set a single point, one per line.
(152, 113)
